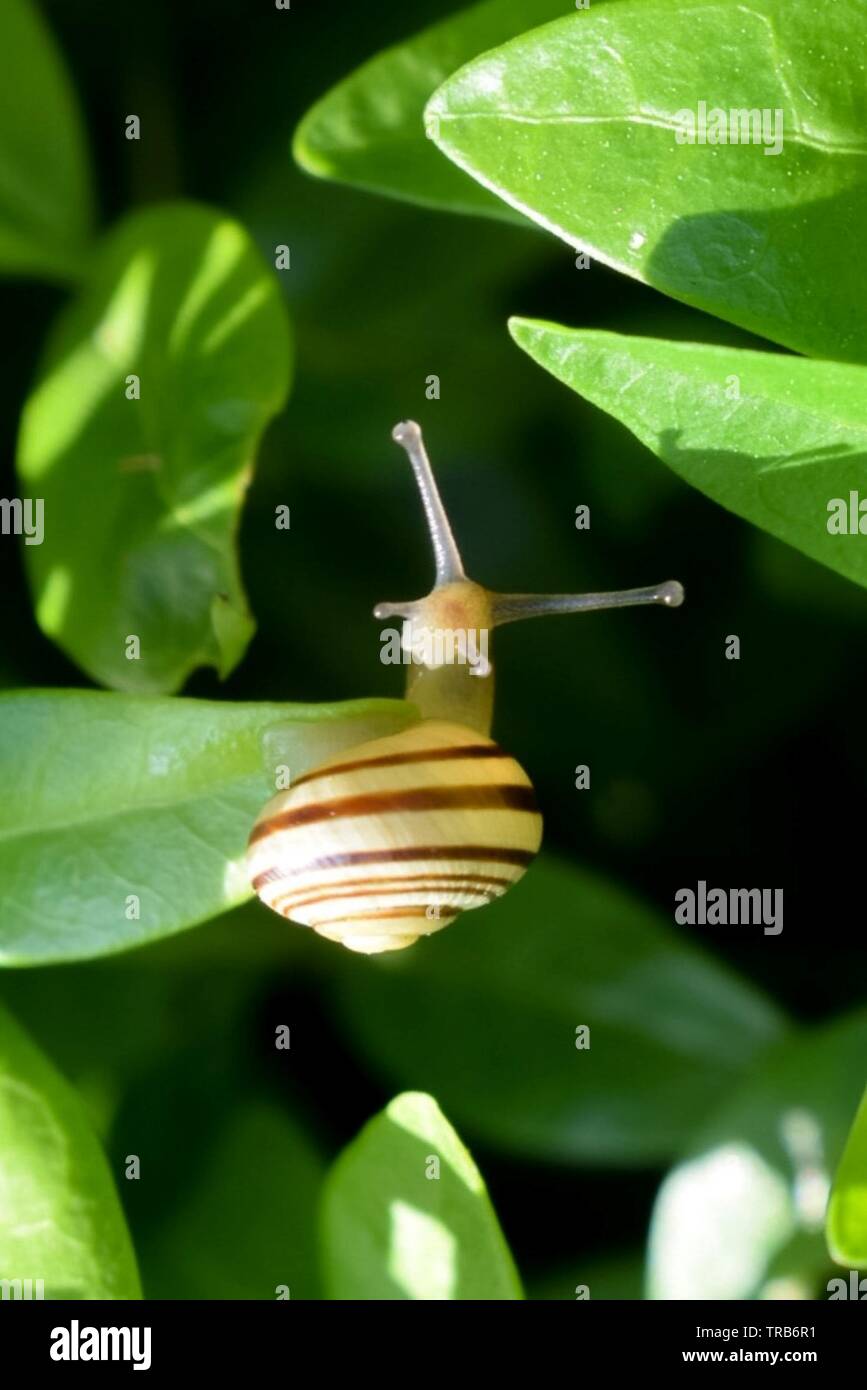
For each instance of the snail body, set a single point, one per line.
(391, 840)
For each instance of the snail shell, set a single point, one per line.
(389, 841)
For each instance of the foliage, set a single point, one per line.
(847, 1208)
(60, 1218)
(156, 386)
(45, 211)
(493, 1021)
(369, 129)
(428, 1230)
(741, 1216)
(571, 1030)
(775, 439)
(575, 125)
(132, 814)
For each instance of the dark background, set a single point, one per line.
(747, 773)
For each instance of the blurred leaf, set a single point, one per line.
(406, 1214)
(610, 1277)
(249, 1224)
(369, 129)
(45, 199)
(120, 795)
(742, 1214)
(846, 1223)
(142, 496)
(577, 125)
(112, 1020)
(106, 1022)
(60, 1218)
(791, 440)
(486, 1016)
(206, 1069)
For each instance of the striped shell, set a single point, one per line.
(391, 840)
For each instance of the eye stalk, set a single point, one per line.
(508, 608)
(445, 632)
(449, 565)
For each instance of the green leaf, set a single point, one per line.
(121, 798)
(369, 130)
(142, 496)
(576, 124)
(485, 1015)
(742, 1215)
(45, 198)
(249, 1224)
(60, 1218)
(406, 1214)
(775, 439)
(846, 1224)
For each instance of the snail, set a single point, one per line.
(391, 840)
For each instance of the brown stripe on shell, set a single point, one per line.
(265, 877)
(420, 755)
(397, 885)
(473, 853)
(470, 796)
(407, 880)
(382, 914)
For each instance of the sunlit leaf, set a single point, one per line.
(847, 1209)
(407, 1216)
(131, 814)
(369, 129)
(779, 440)
(582, 125)
(742, 1215)
(139, 439)
(60, 1219)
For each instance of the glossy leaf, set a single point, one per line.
(779, 440)
(485, 1015)
(369, 130)
(60, 1218)
(847, 1210)
(406, 1214)
(742, 1215)
(582, 125)
(44, 178)
(142, 495)
(131, 814)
